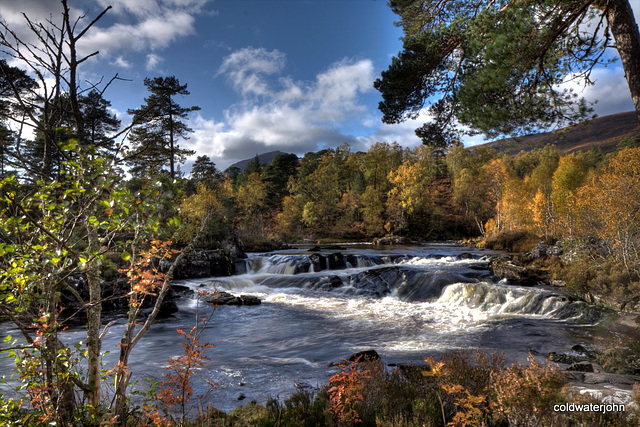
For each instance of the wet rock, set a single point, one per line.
(567, 359)
(584, 351)
(515, 274)
(378, 282)
(352, 260)
(114, 300)
(167, 309)
(479, 267)
(181, 290)
(336, 261)
(390, 240)
(249, 300)
(579, 348)
(318, 261)
(225, 298)
(205, 263)
(335, 281)
(364, 356)
(428, 285)
(465, 255)
(242, 396)
(581, 367)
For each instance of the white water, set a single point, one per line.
(405, 304)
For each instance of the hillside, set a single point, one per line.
(264, 159)
(605, 132)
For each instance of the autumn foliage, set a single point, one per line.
(346, 391)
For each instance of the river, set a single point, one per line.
(318, 307)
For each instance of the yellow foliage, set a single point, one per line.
(610, 203)
(290, 218)
(409, 185)
(250, 197)
(201, 204)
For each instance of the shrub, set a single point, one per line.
(512, 241)
(302, 409)
(524, 396)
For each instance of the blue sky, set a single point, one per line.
(290, 75)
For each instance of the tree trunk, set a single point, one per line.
(94, 320)
(624, 28)
(172, 150)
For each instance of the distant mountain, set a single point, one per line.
(265, 159)
(605, 132)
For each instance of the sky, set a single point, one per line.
(288, 75)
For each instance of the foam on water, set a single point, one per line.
(403, 304)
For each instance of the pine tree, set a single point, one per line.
(204, 170)
(498, 66)
(159, 124)
(16, 88)
(99, 123)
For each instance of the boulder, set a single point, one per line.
(364, 356)
(567, 359)
(539, 251)
(318, 261)
(115, 303)
(249, 300)
(515, 274)
(465, 255)
(390, 240)
(581, 367)
(336, 261)
(225, 298)
(205, 263)
(377, 282)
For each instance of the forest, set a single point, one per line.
(86, 201)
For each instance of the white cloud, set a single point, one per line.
(278, 113)
(336, 91)
(141, 25)
(153, 61)
(246, 68)
(154, 32)
(610, 90)
(121, 62)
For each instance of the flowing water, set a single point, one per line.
(318, 307)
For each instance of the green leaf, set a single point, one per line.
(94, 221)
(126, 256)
(70, 145)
